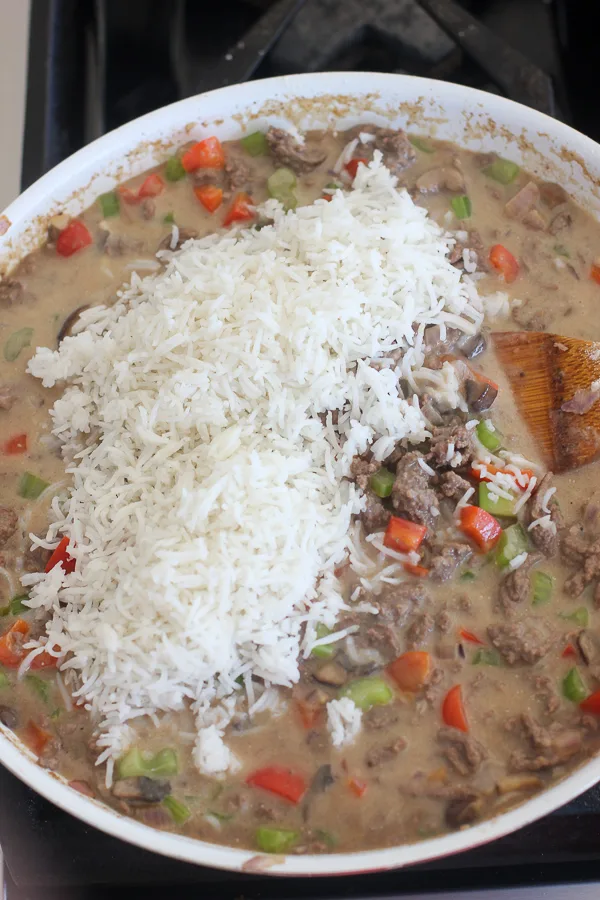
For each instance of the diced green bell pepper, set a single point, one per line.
(580, 616)
(491, 439)
(368, 692)
(15, 607)
(174, 170)
(486, 657)
(30, 486)
(134, 764)
(461, 206)
(169, 218)
(573, 687)
(501, 506)
(280, 186)
(382, 482)
(502, 170)
(513, 542)
(469, 575)
(39, 685)
(17, 342)
(323, 651)
(421, 144)
(542, 586)
(4, 680)
(109, 204)
(275, 840)
(255, 144)
(180, 813)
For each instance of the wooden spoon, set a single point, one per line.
(545, 372)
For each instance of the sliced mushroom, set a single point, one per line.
(141, 790)
(523, 201)
(534, 220)
(441, 178)
(472, 345)
(480, 395)
(67, 325)
(331, 673)
(464, 810)
(512, 784)
(8, 717)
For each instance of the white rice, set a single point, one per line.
(344, 720)
(209, 512)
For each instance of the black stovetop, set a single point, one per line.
(97, 64)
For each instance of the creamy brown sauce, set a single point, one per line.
(416, 782)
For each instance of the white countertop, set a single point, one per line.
(14, 41)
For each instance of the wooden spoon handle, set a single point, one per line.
(545, 371)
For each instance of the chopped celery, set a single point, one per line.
(17, 342)
(501, 506)
(133, 764)
(180, 813)
(39, 685)
(169, 219)
(255, 144)
(513, 542)
(461, 206)
(324, 651)
(420, 144)
(109, 204)
(275, 840)
(486, 657)
(561, 250)
(502, 170)
(174, 170)
(469, 575)
(491, 439)
(4, 680)
(55, 714)
(542, 586)
(333, 186)
(327, 837)
(280, 186)
(573, 687)
(15, 607)
(368, 692)
(382, 482)
(580, 616)
(30, 486)
(220, 817)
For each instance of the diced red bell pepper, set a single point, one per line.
(595, 273)
(73, 238)
(152, 186)
(35, 738)
(16, 444)
(591, 704)
(357, 786)
(44, 660)
(504, 262)
(453, 711)
(403, 536)
(417, 571)
(128, 195)
(206, 154)
(241, 209)
(411, 670)
(61, 557)
(480, 526)
(352, 166)
(83, 788)
(11, 644)
(469, 636)
(310, 713)
(487, 473)
(280, 781)
(568, 652)
(210, 196)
